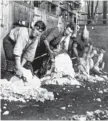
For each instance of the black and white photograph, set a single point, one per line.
(54, 60)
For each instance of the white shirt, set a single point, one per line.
(24, 46)
(66, 41)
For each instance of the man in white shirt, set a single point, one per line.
(68, 33)
(20, 46)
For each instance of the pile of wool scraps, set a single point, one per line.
(64, 73)
(32, 80)
(90, 78)
(17, 90)
(63, 63)
(59, 81)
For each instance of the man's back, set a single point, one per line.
(52, 35)
(16, 32)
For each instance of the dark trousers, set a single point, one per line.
(70, 48)
(8, 46)
(41, 64)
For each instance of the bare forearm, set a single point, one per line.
(90, 49)
(23, 61)
(17, 61)
(47, 45)
(18, 66)
(75, 51)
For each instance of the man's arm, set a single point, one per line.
(18, 50)
(23, 61)
(99, 59)
(89, 51)
(54, 33)
(76, 52)
(18, 67)
(48, 46)
(17, 61)
(75, 49)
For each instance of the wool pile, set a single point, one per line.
(59, 81)
(17, 90)
(63, 73)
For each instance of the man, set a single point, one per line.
(98, 61)
(20, 46)
(78, 46)
(68, 33)
(92, 61)
(49, 43)
(86, 62)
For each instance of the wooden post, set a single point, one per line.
(92, 9)
(104, 11)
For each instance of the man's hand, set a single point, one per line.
(78, 60)
(19, 72)
(56, 52)
(52, 56)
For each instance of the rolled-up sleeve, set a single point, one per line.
(21, 42)
(30, 52)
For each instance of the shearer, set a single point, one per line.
(20, 46)
(78, 46)
(68, 36)
(98, 59)
(50, 41)
(92, 61)
(86, 61)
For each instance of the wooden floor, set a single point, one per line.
(69, 101)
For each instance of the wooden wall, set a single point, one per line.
(6, 17)
(6, 23)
